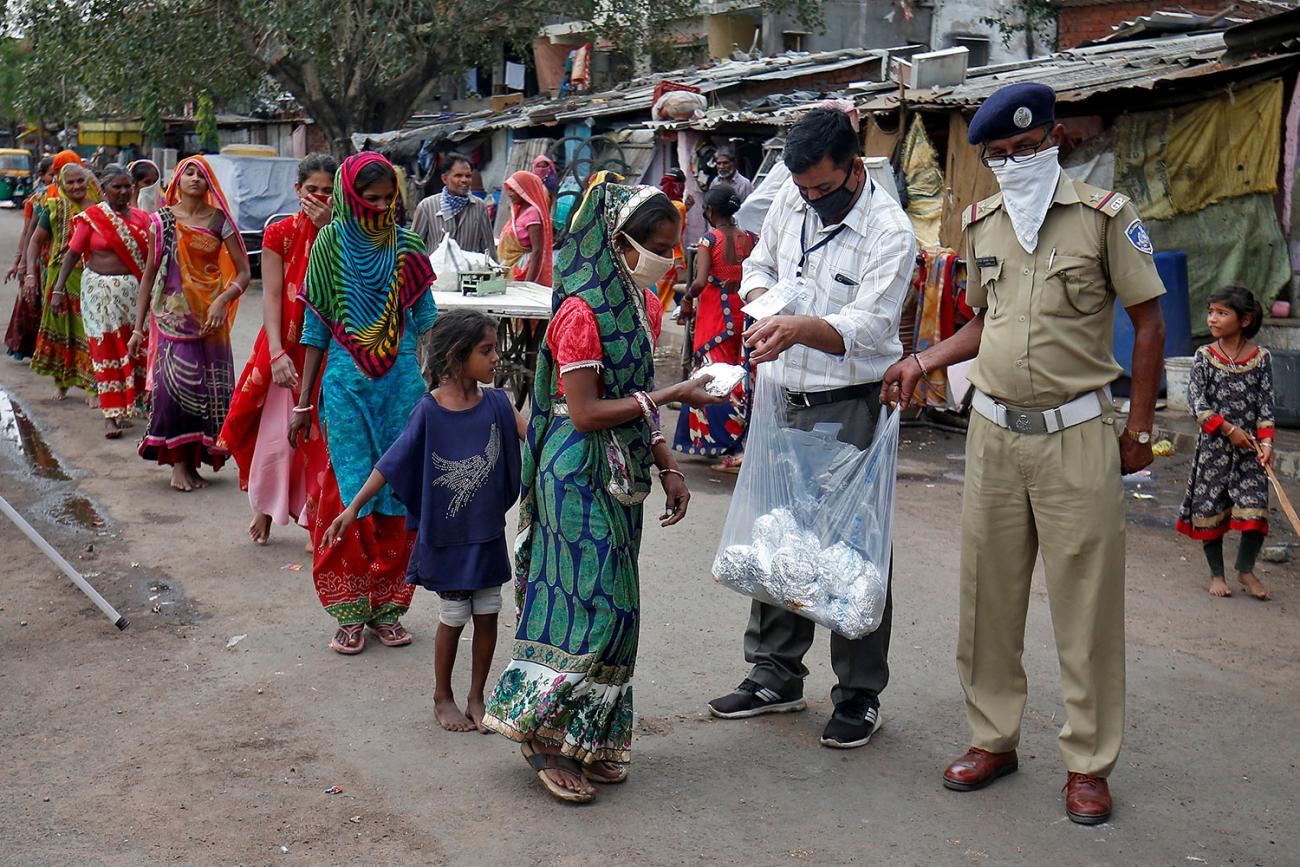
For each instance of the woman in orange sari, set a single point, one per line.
(197, 268)
(256, 432)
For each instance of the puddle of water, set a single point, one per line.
(21, 433)
(78, 511)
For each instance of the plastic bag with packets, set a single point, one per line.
(809, 528)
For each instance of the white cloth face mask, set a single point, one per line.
(650, 267)
(1028, 188)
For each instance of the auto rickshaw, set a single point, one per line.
(15, 175)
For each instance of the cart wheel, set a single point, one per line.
(517, 341)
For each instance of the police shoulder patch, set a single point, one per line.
(1138, 237)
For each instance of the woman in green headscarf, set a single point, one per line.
(593, 447)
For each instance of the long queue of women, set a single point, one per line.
(130, 295)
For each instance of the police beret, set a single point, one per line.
(1011, 110)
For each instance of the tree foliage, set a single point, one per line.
(1033, 21)
(354, 65)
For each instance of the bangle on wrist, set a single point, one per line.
(301, 409)
(672, 471)
(921, 364)
(281, 354)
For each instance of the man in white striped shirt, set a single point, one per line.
(841, 251)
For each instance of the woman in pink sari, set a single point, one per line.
(530, 224)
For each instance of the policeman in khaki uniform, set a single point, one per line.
(1048, 257)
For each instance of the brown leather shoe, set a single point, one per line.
(1087, 799)
(978, 768)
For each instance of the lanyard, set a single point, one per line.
(805, 250)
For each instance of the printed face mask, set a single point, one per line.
(832, 205)
(650, 267)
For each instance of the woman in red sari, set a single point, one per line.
(257, 429)
(25, 321)
(718, 430)
(112, 238)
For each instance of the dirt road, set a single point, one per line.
(174, 743)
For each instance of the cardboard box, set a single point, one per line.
(504, 101)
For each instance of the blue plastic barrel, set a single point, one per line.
(1174, 304)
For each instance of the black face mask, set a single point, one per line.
(834, 204)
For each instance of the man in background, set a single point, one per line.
(455, 212)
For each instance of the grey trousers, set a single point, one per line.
(776, 640)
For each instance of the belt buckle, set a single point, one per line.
(1026, 422)
(797, 398)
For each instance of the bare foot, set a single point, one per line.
(92, 400)
(60, 394)
(112, 430)
(181, 479)
(308, 549)
(197, 481)
(475, 709)
(450, 717)
(1219, 587)
(260, 530)
(1253, 586)
(564, 779)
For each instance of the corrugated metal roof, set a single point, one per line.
(1076, 74)
(631, 98)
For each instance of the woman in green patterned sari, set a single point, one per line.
(593, 448)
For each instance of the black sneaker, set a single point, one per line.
(752, 699)
(852, 724)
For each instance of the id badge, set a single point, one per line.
(785, 293)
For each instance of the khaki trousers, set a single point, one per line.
(1060, 494)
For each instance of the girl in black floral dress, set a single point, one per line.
(1231, 395)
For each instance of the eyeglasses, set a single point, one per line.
(1019, 155)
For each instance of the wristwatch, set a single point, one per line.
(1142, 436)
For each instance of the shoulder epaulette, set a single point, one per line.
(1107, 202)
(981, 209)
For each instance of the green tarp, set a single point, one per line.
(1236, 242)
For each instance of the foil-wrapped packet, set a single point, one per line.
(772, 528)
(794, 577)
(740, 568)
(840, 566)
(858, 611)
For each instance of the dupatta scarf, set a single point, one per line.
(185, 287)
(148, 199)
(127, 239)
(365, 272)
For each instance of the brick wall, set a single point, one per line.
(1079, 24)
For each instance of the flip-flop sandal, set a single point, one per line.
(543, 762)
(391, 634)
(729, 464)
(596, 776)
(346, 632)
